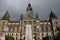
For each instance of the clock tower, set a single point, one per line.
(29, 11)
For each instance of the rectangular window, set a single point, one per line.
(3, 23)
(25, 22)
(34, 22)
(9, 28)
(42, 28)
(1, 33)
(24, 28)
(30, 22)
(46, 29)
(2, 28)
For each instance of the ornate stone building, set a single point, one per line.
(2, 36)
(40, 28)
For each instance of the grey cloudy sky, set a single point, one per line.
(41, 7)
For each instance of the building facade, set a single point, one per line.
(40, 28)
(2, 36)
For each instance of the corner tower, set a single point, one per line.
(29, 11)
(6, 16)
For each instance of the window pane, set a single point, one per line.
(34, 22)
(30, 22)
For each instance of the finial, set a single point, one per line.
(29, 1)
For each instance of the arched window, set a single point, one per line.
(16, 38)
(12, 34)
(16, 34)
(35, 38)
(38, 38)
(24, 38)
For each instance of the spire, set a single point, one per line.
(37, 16)
(21, 16)
(29, 7)
(6, 16)
(52, 15)
(29, 11)
(29, 3)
